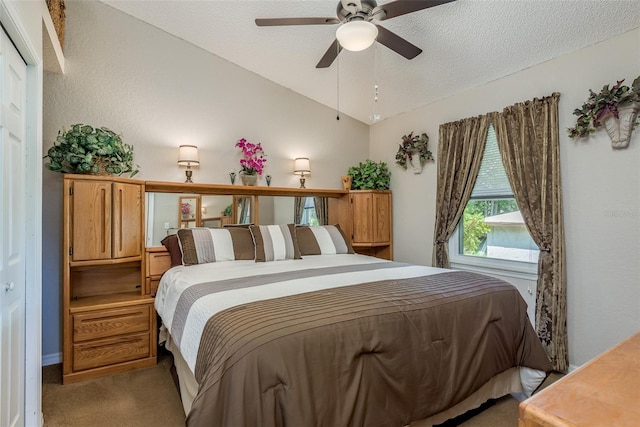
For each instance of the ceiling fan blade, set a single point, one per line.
(330, 55)
(397, 43)
(402, 7)
(269, 22)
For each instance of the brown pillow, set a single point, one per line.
(173, 247)
(202, 245)
(275, 242)
(243, 246)
(323, 239)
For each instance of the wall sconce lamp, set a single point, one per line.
(188, 157)
(301, 167)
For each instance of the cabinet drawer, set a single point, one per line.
(111, 322)
(109, 351)
(153, 286)
(158, 263)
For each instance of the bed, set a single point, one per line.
(336, 338)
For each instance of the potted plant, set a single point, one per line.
(414, 151)
(252, 162)
(616, 108)
(87, 150)
(370, 175)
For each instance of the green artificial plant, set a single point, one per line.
(370, 175)
(88, 150)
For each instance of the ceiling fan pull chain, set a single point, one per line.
(338, 82)
(374, 117)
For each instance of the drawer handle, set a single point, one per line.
(115, 344)
(113, 317)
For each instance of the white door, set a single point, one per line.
(13, 72)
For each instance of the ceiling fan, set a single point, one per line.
(357, 31)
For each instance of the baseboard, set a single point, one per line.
(51, 359)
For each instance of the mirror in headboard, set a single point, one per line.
(298, 210)
(166, 212)
(170, 206)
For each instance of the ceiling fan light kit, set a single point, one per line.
(357, 35)
(357, 32)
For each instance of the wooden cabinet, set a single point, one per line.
(108, 318)
(371, 223)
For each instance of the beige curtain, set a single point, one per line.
(460, 151)
(298, 209)
(528, 140)
(322, 210)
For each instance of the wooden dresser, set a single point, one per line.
(603, 392)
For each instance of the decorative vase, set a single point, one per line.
(249, 179)
(620, 129)
(347, 180)
(414, 161)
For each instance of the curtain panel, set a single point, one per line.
(321, 205)
(528, 139)
(460, 151)
(298, 209)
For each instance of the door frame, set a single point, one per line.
(26, 42)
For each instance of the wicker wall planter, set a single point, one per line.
(56, 10)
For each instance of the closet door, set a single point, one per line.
(13, 73)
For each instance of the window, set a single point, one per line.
(309, 213)
(492, 233)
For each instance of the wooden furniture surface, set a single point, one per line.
(158, 261)
(371, 223)
(108, 318)
(603, 392)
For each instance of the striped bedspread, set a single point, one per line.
(340, 340)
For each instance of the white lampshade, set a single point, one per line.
(301, 166)
(188, 155)
(357, 35)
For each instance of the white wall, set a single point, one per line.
(601, 188)
(159, 92)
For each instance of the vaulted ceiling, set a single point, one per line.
(465, 43)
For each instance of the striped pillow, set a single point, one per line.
(203, 245)
(275, 242)
(322, 240)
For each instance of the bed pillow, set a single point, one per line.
(173, 247)
(275, 242)
(322, 240)
(202, 245)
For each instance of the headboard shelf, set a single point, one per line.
(221, 189)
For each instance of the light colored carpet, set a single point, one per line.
(141, 398)
(148, 398)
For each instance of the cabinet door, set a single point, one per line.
(90, 220)
(127, 220)
(382, 218)
(362, 209)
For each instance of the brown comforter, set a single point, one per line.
(376, 354)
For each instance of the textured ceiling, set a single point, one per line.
(465, 44)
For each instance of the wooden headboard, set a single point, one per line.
(157, 259)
